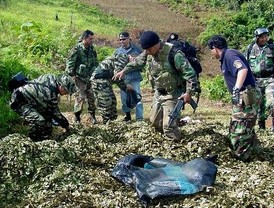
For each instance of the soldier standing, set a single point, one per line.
(260, 56)
(170, 84)
(80, 65)
(37, 103)
(245, 97)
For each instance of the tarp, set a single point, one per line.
(158, 177)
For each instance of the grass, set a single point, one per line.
(68, 16)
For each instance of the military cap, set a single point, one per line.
(67, 82)
(149, 39)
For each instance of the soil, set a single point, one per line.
(150, 15)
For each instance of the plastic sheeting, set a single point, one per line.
(158, 177)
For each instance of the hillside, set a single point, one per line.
(149, 15)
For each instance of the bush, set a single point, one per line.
(215, 89)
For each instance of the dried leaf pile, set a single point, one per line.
(75, 171)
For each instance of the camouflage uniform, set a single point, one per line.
(81, 64)
(102, 85)
(37, 103)
(169, 84)
(242, 136)
(261, 60)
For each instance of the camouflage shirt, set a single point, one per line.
(42, 93)
(82, 62)
(261, 60)
(163, 74)
(109, 67)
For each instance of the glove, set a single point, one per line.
(236, 96)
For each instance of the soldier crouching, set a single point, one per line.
(37, 103)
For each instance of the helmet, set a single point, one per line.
(67, 82)
(260, 31)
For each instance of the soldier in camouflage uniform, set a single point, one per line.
(80, 65)
(102, 85)
(260, 55)
(170, 84)
(245, 97)
(37, 103)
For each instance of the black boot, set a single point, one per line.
(128, 117)
(93, 118)
(261, 124)
(77, 118)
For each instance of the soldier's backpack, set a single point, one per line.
(190, 52)
(16, 81)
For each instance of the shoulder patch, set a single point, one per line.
(237, 64)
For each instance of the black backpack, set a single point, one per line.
(16, 81)
(190, 52)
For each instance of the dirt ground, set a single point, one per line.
(149, 15)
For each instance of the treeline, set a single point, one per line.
(235, 19)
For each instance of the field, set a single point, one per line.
(74, 170)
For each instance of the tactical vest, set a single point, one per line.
(261, 61)
(164, 76)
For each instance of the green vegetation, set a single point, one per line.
(37, 37)
(234, 19)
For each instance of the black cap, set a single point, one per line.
(123, 35)
(149, 39)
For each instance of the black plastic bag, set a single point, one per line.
(133, 98)
(158, 177)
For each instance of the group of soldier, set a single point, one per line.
(250, 80)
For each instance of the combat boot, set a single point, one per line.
(127, 117)
(77, 118)
(261, 124)
(93, 118)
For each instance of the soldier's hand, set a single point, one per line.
(236, 96)
(118, 75)
(186, 97)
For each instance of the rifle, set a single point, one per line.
(177, 109)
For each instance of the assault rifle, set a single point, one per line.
(177, 109)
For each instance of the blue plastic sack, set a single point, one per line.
(158, 177)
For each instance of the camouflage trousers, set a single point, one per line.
(106, 99)
(266, 86)
(162, 106)
(40, 121)
(243, 138)
(84, 91)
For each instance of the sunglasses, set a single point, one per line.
(122, 39)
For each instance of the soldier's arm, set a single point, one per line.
(58, 116)
(96, 61)
(137, 63)
(71, 62)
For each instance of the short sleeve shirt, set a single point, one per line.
(232, 61)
